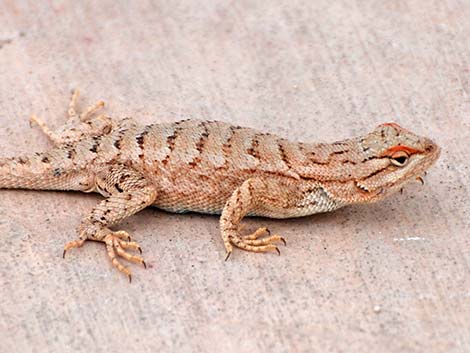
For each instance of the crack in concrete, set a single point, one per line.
(4, 42)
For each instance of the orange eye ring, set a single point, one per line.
(399, 158)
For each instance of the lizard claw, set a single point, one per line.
(228, 255)
(420, 179)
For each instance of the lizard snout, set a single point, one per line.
(432, 149)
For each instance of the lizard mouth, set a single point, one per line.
(362, 187)
(372, 192)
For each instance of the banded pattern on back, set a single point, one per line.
(200, 145)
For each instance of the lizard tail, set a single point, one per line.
(41, 171)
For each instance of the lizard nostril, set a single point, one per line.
(430, 146)
(432, 149)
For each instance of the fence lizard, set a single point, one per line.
(211, 167)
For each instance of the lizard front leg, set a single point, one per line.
(245, 199)
(127, 193)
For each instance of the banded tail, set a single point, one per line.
(41, 171)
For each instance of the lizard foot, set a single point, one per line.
(84, 116)
(252, 242)
(116, 245)
(79, 124)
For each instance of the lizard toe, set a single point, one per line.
(116, 247)
(261, 245)
(257, 234)
(73, 244)
(262, 236)
(265, 241)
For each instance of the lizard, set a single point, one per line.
(210, 167)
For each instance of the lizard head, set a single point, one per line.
(397, 156)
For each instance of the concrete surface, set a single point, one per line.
(391, 277)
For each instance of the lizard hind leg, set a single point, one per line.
(78, 125)
(243, 200)
(88, 113)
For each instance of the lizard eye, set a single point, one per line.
(399, 158)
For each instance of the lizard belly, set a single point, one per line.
(197, 202)
(192, 192)
(299, 202)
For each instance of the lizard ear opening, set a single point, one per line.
(399, 158)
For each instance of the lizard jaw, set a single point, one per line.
(362, 187)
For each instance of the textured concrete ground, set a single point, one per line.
(389, 277)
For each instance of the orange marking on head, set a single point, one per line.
(394, 149)
(395, 125)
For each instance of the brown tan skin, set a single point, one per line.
(211, 167)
